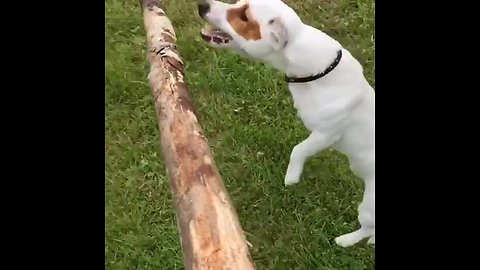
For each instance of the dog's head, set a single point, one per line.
(256, 28)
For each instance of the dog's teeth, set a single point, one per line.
(217, 40)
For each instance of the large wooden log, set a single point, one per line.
(210, 232)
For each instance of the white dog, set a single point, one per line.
(330, 92)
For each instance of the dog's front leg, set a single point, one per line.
(315, 143)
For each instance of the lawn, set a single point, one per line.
(249, 120)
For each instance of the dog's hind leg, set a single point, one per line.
(352, 238)
(315, 143)
(371, 241)
(366, 217)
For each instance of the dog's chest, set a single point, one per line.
(315, 106)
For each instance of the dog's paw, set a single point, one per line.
(289, 182)
(343, 241)
(347, 240)
(292, 176)
(352, 238)
(291, 179)
(371, 241)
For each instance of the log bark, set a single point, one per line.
(210, 232)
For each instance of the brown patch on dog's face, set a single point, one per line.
(243, 23)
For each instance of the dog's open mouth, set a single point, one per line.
(214, 35)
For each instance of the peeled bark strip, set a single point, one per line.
(210, 231)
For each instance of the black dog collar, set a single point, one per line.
(319, 75)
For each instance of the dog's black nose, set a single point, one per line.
(203, 8)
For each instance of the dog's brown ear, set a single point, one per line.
(278, 33)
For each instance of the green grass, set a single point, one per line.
(248, 117)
